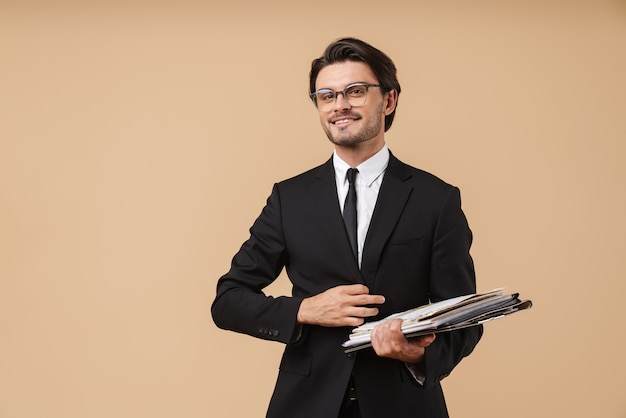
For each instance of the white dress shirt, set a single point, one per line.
(368, 181)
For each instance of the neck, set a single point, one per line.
(355, 156)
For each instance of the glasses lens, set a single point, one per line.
(356, 94)
(324, 98)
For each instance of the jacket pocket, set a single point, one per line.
(296, 363)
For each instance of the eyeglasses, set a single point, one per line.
(355, 94)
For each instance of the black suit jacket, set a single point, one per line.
(416, 251)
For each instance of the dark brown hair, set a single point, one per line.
(352, 49)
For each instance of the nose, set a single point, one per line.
(340, 102)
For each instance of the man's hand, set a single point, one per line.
(389, 341)
(339, 307)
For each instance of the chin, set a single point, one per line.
(346, 142)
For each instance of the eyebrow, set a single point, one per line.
(347, 85)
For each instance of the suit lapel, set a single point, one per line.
(392, 197)
(324, 197)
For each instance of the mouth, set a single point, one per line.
(341, 121)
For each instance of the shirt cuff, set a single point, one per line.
(417, 372)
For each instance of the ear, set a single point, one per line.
(391, 100)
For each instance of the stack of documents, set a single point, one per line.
(446, 315)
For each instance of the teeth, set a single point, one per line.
(337, 122)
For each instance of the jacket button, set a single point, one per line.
(350, 355)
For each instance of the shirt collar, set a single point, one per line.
(369, 170)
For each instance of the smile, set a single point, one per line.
(342, 121)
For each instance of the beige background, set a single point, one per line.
(138, 142)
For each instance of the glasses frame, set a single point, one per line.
(367, 86)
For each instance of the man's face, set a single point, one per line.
(346, 125)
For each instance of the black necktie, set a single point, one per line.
(349, 211)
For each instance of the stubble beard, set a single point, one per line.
(367, 132)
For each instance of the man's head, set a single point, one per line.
(355, 50)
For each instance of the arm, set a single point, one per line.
(240, 304)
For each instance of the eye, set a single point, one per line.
(325, 95)
(356, 91)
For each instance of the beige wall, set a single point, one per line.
(139, 141)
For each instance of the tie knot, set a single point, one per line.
(352, 175)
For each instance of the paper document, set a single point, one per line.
(446, 315)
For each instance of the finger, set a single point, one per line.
(390, 328)
(428, 339)
(385, 342)
(368, 300)
(424, 340)
(390, 331)
(363, 312)
(395, 324)
(355, 289)
(351, 321)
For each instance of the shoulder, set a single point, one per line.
(311, 176)
(416, 177)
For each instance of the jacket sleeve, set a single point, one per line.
(240, 304)
(452, 274)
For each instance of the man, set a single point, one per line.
(410, 246)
